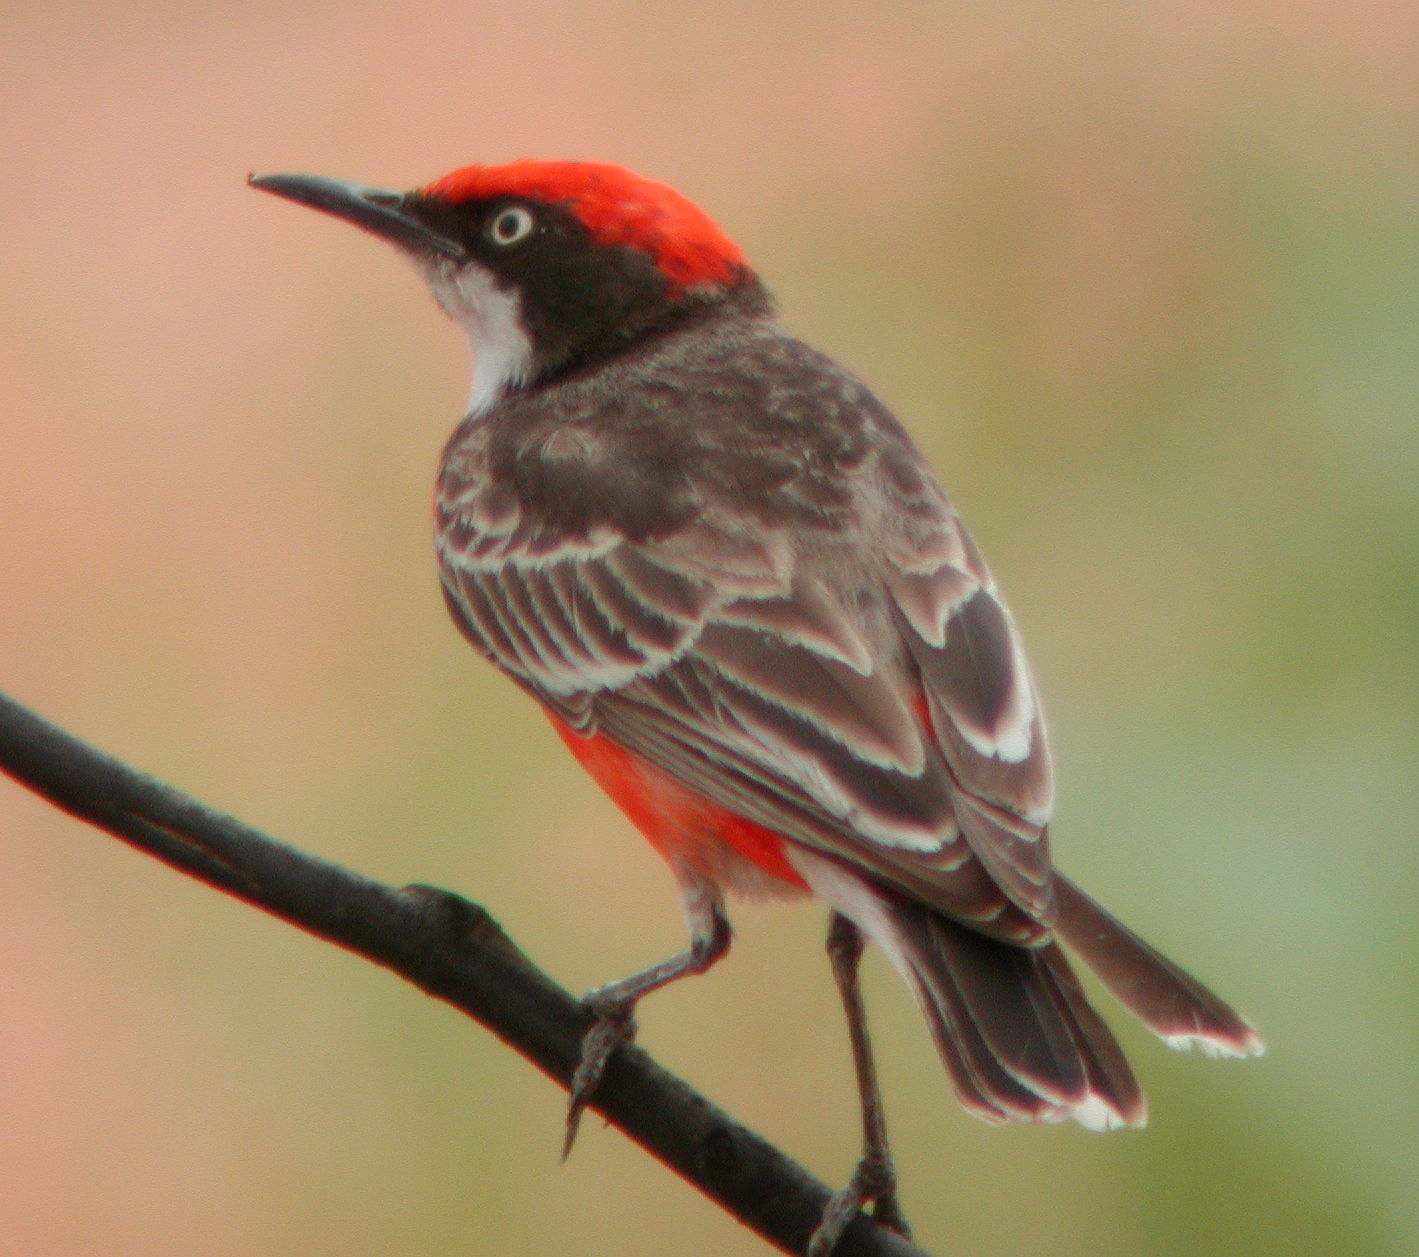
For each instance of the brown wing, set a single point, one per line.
(856, 686)
(983, 708)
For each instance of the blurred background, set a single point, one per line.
(1143, 279)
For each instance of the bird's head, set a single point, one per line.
(547, 265)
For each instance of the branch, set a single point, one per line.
(451, 949)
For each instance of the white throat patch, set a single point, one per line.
(492, 318)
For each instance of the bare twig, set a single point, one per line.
(450, 948)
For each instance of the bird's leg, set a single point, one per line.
(874, 1180)
(613, 1005)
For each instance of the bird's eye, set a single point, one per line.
(511, 225)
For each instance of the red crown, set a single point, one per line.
(618, 208)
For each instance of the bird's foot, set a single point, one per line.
(615, 1024)
(873, 1182)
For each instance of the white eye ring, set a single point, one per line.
(511, 225)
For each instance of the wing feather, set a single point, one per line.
(870, 701)
(984, 713)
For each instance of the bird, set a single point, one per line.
(725, 571)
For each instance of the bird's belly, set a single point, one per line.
(690, 832)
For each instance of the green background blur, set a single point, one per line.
(1144, 281)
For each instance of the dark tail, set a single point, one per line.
(1178, 1008)
(1012, 1025)
(1015, 1030)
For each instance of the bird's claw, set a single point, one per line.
(615, 1024)
(873, 1182)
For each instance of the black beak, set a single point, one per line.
(386, 214)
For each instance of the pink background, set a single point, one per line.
(1142, 278)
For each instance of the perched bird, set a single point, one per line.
(736, 587)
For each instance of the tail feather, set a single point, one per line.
(1104, 1062)
(1175, 1006)
(1004, 1058)
(982, 1083)
(1013, 1023)
(991, 987)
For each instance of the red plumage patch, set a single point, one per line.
(618, 208)
(686, 828)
